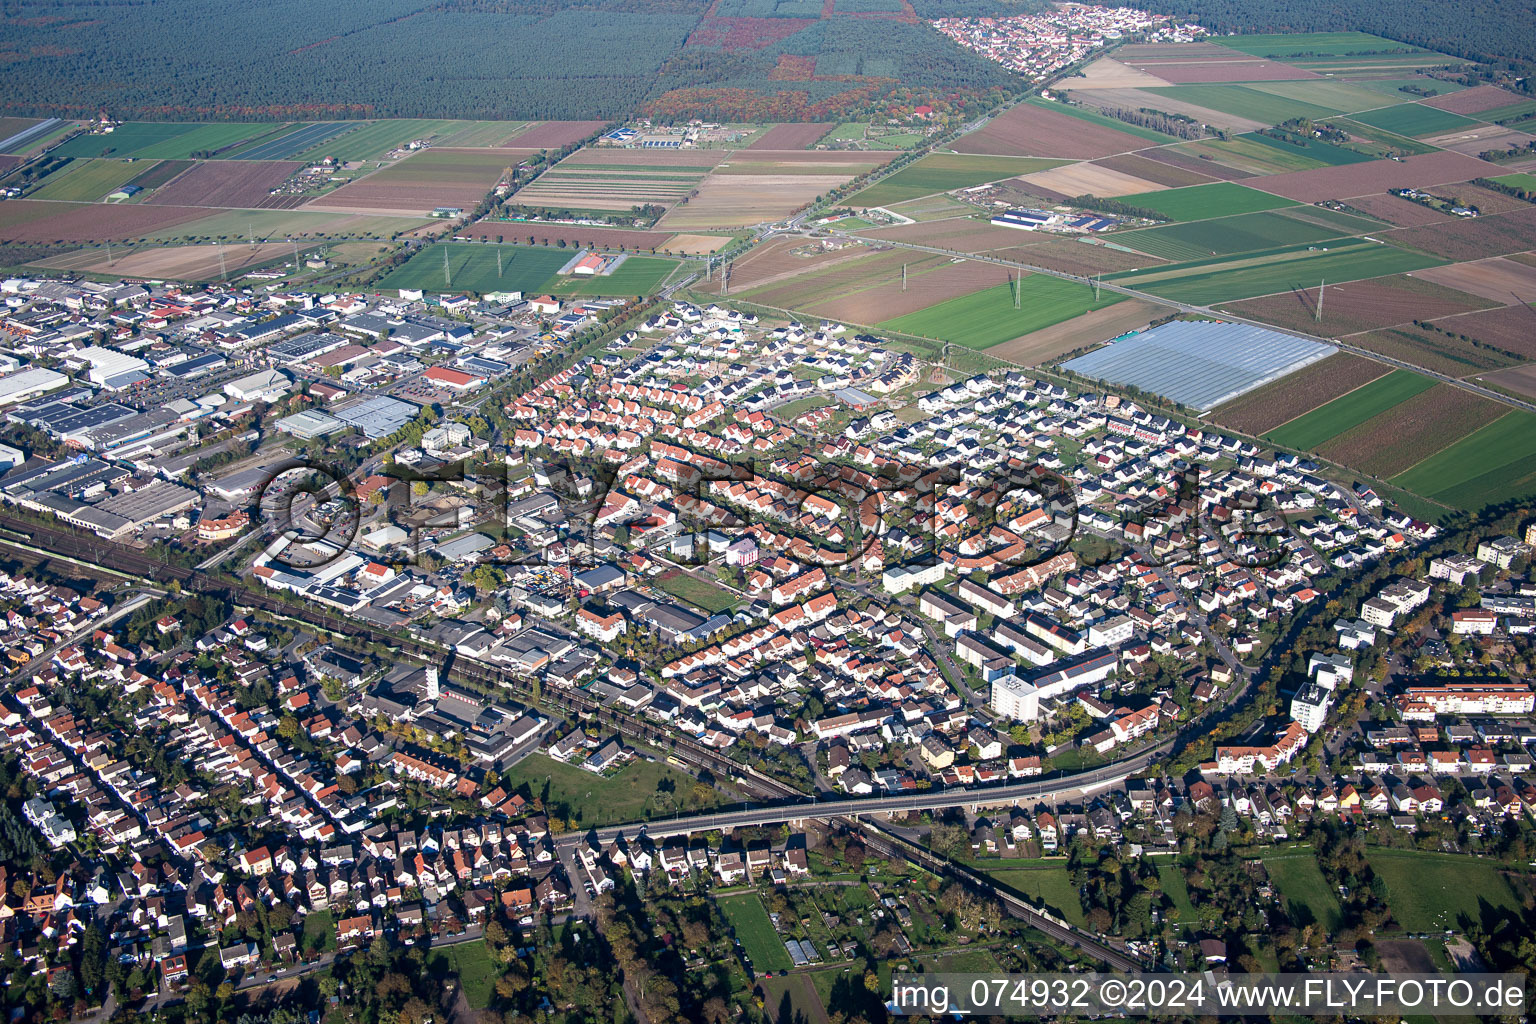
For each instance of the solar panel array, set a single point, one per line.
(1199, 363)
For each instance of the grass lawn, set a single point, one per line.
(1414, 119)
(472, 963)
(1308, 896)
(1049, 885)
(1177, 890)
(755, 932)
(986, 318)
(1226, 278)
(1201, 202)
(1431, 891)
(699, 593)
(472, 268)
(88, 181)
(595, 800)
(1333, 418)
(1488, 465)
(943, 172)
(319, 931)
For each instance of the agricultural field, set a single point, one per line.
(1437, 352)
(1315, 44)
(754, 930)
(1293, 395)
(229, 184)
(1085, 178)
(1498, 280)
(944, 172)
(1308, 431)
(1457, 240)
(1309, 899)
(213, 139)
(794, 136)
(1373, 177)
(1432, 892)
(1412, 430)
(988, 317)
(269, 225)
(1050, 344)
(1519, 180)
(1155, 171)
(425, 181)
(86, 181)
(1492, 464)
(1226, 278)
(1314, 151)
(288, 145)
(735, 199)
(1200, 202)
(27, 220)
(1246, 232)
(1246, 102)
(1414, 120)
(1091, 116)
(126, 140)
(1508, 328)
(159, 173)
(1360, 305)
(1029, 129)
(175, 263)
(930, 280)
(580, 184)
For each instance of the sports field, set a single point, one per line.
(1199, 202)
(988, 317)
(1224, 278)
(754, 930)
(1327, 421)
(637, 275)
(1414, 120)
(472, 267)
(1429, 892)
(1245, 232)
(943, 172)
(87, 181)
(1488, 465)
(1307, 894)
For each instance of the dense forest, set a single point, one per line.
(582, 59)
(1493, 31)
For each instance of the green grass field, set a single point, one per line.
(1201, 202)
(1431, 891)
(637, 275)
(1320, 153)
(88, 181)
(1382, 140)
(1324, 93)
(1327, 421)
(1176, 888)
(126, 140)
(1248, 153)
(1050, 885)
(1519, 180)
(754, 930)
(1307, 895)
(472, 963)
(1247, 232)
(596, 800)
(1245, 101)
(1517, 109)
(943, 172)
(1495, 462)
(700, 593)
(204, 138)
(472, 268)
(986, 318)
(1414, 120)
(1322, 43)
(278, 225)
(1225, 278)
